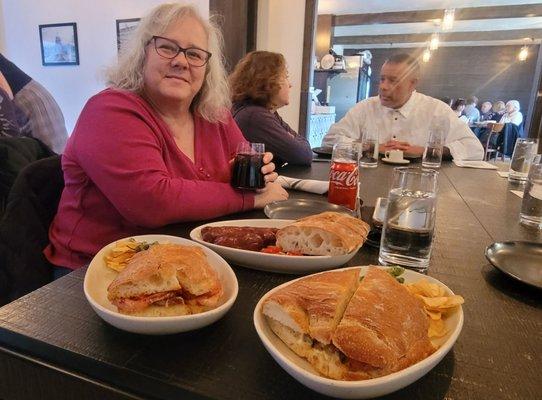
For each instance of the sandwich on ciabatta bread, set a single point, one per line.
(328, 233)
(349, 330)
(166, 280)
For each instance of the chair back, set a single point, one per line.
(24, 228)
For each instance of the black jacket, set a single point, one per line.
(24, 228)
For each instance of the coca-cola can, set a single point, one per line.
(344, 176)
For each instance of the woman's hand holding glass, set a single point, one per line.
(272, 191)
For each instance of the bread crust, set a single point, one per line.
(316, 303)
(382, 328)
(328, 233)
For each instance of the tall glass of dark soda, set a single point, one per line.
(247, 167)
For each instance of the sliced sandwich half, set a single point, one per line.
(166, 280)
(350, 331)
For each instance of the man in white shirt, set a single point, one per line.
(402, 117)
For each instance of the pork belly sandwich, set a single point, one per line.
(325, 234)
(347, 329)
(166, 280)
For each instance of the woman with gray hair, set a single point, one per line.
(154, 148)
(512, 113)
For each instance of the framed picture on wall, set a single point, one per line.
(59, 44)
(125, 27)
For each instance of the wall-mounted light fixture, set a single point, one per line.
(448, 20)
(426, 55)
(434, 42)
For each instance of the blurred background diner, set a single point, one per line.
(259, 87)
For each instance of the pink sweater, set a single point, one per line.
(125, 174)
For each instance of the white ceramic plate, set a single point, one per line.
(98, 277)
(302, 371)
(270, 262)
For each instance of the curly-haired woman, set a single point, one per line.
(155, 147)
(260, 86)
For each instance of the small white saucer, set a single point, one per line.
(402, 162)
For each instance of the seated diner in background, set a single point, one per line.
(458, 107)
(499, 108)
(471, 111)
(260, 86)
(156, 147)
(37, 105)
(487, 114)
(403, 117)
(512, 113)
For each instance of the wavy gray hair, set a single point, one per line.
(213, 99)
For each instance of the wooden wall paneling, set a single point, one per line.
(491, 73)
(475, 36)
(237, 19)
(324, 34)
(468, 13)
(311, 13)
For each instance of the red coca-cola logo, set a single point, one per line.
(344, 178)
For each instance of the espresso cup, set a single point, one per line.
(394, 155)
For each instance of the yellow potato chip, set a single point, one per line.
(437, 304)
(436, 328)
(123, 252)
(433, 302)
(434, 315)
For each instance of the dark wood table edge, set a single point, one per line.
(50, 356)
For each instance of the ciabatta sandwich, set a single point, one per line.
(166, 280)
(328, 233)
(349, 330)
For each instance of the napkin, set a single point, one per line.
(503, 174)
(475, 164)
(305, 185)
(518, 193)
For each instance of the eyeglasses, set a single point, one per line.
(169, 49)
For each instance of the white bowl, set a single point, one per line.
(302, 370)
(270, 262)
(99, 276)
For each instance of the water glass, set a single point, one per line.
(369, 151)
(432, 155)
(522, 157)
(407, 235)
(531, 206)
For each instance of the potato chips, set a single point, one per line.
(123, 252)
(437, 304)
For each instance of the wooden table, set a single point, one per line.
(52, 345)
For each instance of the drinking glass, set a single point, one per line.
(247, 167)
(524, 152)
(432, 155)
(407, 235)
(369, 151)
(531, 206)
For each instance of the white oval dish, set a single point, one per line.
(302, 371)
(99, 276)
(270, 262)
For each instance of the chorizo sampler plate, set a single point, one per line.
(283, 263)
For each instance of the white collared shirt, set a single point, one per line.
(411, 123)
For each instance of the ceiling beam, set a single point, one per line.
(444, 37)
(461, 14)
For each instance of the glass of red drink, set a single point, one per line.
(247, 167)
(344, 175)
